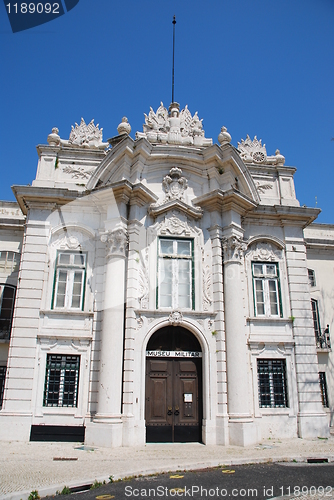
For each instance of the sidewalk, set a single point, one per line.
(48, 467)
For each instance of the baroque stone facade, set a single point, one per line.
(163, 289)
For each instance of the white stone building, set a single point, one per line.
(167, 289)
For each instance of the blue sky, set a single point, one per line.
(259, 67)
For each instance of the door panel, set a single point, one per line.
(173, 400)
(158, 406)
(186, 396)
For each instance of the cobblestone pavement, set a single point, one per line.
(48, 467)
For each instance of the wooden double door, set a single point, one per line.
(173, 402)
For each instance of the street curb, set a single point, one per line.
(81, 484)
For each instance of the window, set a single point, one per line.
(61, 380)
(9, 262)
(266, 289)
(316, 321)
(175, 274)
(311, 277)
(323, 389)
(2, 382)
(272, 383)
(7, 299)
(69, 281)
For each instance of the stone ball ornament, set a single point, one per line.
(124, 127)
(224, 137)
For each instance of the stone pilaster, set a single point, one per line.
(130, 403)
(218, 307)
(241, 425)
(16, 414)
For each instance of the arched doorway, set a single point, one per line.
(173, 400)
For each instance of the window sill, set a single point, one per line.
(267, 319)
(65, 312)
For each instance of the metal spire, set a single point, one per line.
(173, 22)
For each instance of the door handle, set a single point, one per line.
(177, 410)
(169, 410)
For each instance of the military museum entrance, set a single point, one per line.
(173, 404)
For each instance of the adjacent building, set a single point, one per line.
(163, 289)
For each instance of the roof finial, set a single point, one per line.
(173, 22)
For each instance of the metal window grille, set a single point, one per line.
(323, 389)
(61, 380)
(7, 299)
(311, 277)
(267, 300)
(2, 383)
(272, 383)
(9, 262)
(316, 320)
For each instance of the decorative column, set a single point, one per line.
(241, 425)
(106, 429)
(218, 307)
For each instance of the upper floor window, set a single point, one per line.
(266, 289)
(69, 286)
(311, 277)
(316, 319)
(9, 262)
(2, 382)
(61, 380)
(7, 299)
(175, 274)
(272, 383)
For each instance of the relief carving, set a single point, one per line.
(174, 185)
(176, 318)
(264, 251)
(207, 300)
(117, 241)
(143, 280)
(234, 248)
(173, 225)
(78, 172)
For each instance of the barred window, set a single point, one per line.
(69, 285)
(175, 275)
(316, 319)
(323, 389)
(272, 383)
(266, 289)
(2, 382)
(61, 380)
(9, 262)
(7, 299)
(311, 277)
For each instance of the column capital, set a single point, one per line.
(233, 248)
(116, 240)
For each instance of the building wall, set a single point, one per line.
(113, 207)
(320, 259)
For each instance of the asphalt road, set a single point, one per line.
(234, 482)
